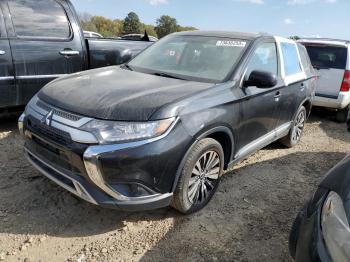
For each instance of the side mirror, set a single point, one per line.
(261, 79)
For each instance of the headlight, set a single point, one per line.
(335, 228)
(113, 132)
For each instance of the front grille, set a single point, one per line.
(58, 112)
(49, 132)
(56, 156)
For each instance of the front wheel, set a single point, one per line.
(200, 176)
(297, 129)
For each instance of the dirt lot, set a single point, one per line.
(248, 219)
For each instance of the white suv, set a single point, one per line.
(331, 59)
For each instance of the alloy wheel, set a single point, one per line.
(204, 178)
(299, 126)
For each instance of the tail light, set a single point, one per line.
(345, 87)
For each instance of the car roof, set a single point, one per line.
(228, 34)
(327, 41)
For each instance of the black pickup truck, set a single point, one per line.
(41, 40)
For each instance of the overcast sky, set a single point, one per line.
(324, 18)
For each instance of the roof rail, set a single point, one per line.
(325, 39)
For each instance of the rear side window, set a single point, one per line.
(291, 59)
(327, 56)
(39, 19)
(265, 59)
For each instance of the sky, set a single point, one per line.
(306, 18)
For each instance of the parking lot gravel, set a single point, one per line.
(248, 219)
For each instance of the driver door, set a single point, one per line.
(259, 110)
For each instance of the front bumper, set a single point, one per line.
(306, 240)
(133, 176)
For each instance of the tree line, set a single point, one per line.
(131, 25)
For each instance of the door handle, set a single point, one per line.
(2, 52)
(69, 53)
(278, 96)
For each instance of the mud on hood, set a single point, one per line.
(114, 93)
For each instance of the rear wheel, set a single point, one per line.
(297, 129)
(200, 176)
(342, 115)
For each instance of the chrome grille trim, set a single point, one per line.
(58, 112)
(62, 123)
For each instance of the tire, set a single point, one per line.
(342, 115)
(190, 195)
(296, 132)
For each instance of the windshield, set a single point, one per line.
(201, 58)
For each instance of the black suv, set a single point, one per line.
(161, 129)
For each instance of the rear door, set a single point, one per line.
(45, 43)
(330, 63)
(294, 77)
(7, 80)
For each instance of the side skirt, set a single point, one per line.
(260, 143)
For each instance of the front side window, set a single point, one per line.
(291, 59)
(264, 59)
(39, 19)
(199, 58)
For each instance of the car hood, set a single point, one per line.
(113, 93)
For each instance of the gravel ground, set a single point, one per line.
(248, 219)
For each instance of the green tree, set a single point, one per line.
(166, 25)
(132, 24)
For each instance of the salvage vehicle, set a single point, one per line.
(331, 59)
(161, 129)
(321, 231)
(41, 40)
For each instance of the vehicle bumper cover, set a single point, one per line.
(103, 175)
(309, 246)
(340, 102)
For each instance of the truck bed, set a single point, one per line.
(107, 52)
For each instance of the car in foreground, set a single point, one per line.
(41, 40)
(321, 230)
(331, 59)
(161, 129)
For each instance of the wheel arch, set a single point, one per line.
(222, 134)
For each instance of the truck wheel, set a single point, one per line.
(199, 177)
(297, 129)
(342, 115)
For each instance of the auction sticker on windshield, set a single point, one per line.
(231, 43)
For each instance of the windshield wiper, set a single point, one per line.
(128, 67)
(167, 75)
